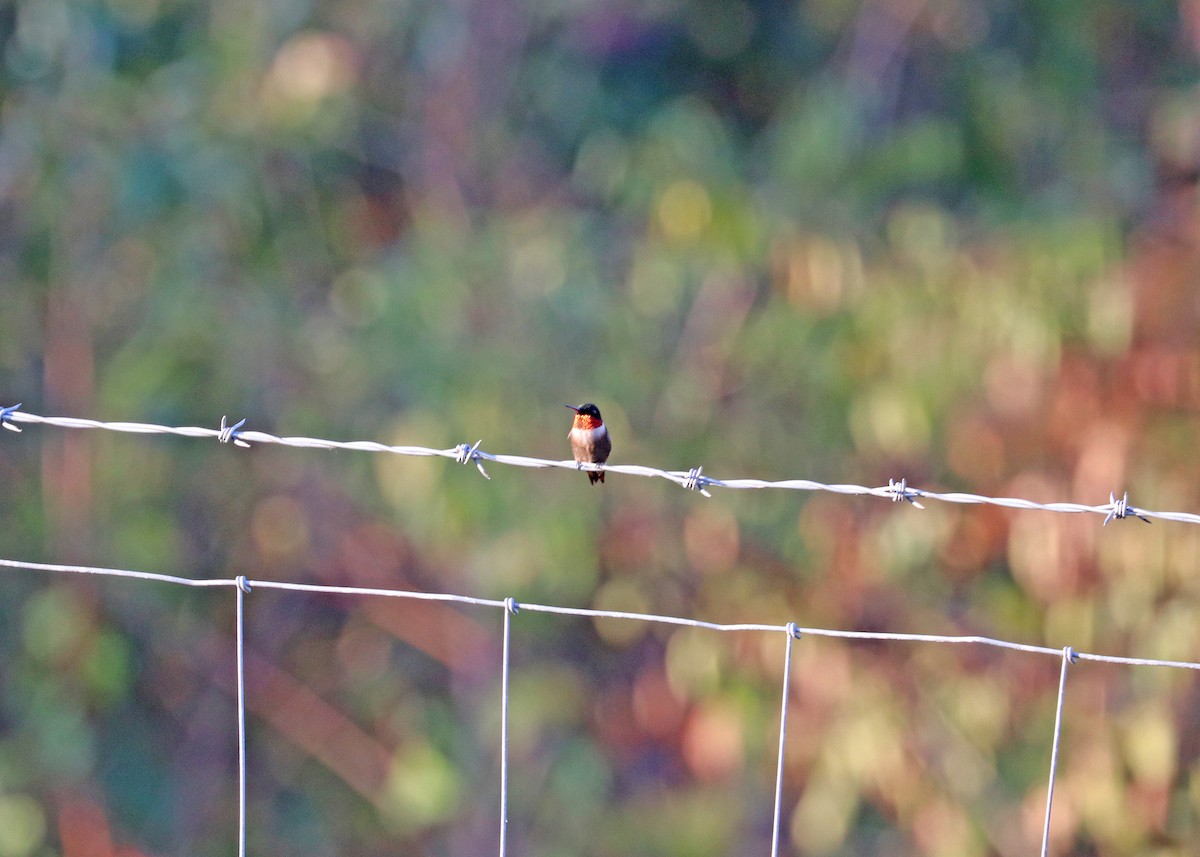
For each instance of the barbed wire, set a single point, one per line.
(693, 479)
(1117, 508)
(793, 632)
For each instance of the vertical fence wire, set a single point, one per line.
(241, 589)
(510, 607)
(783, 718)
(1068, 657)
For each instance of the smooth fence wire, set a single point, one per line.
(510, 610)
(777, 822)
(511, 607)
(242, 589)
(1068, 655)
(694, 479)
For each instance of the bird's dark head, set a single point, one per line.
(587, 409)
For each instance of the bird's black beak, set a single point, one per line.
(574, 408)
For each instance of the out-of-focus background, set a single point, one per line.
(846, 240)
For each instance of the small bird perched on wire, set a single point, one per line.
(589, 438)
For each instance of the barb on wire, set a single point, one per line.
(696, 480)
(693, 479)
(1121, 509)
(6, 417)
(228, 433)
(902, 493)
(468, 454)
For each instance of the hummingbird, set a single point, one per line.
(589, 438)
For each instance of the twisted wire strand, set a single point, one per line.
(692, 479)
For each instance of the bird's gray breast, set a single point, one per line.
(590, 441)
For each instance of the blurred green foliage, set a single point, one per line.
(840, 239)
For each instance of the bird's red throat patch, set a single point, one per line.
(587, 423)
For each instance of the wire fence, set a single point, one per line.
(694, 480)
(511, 608)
